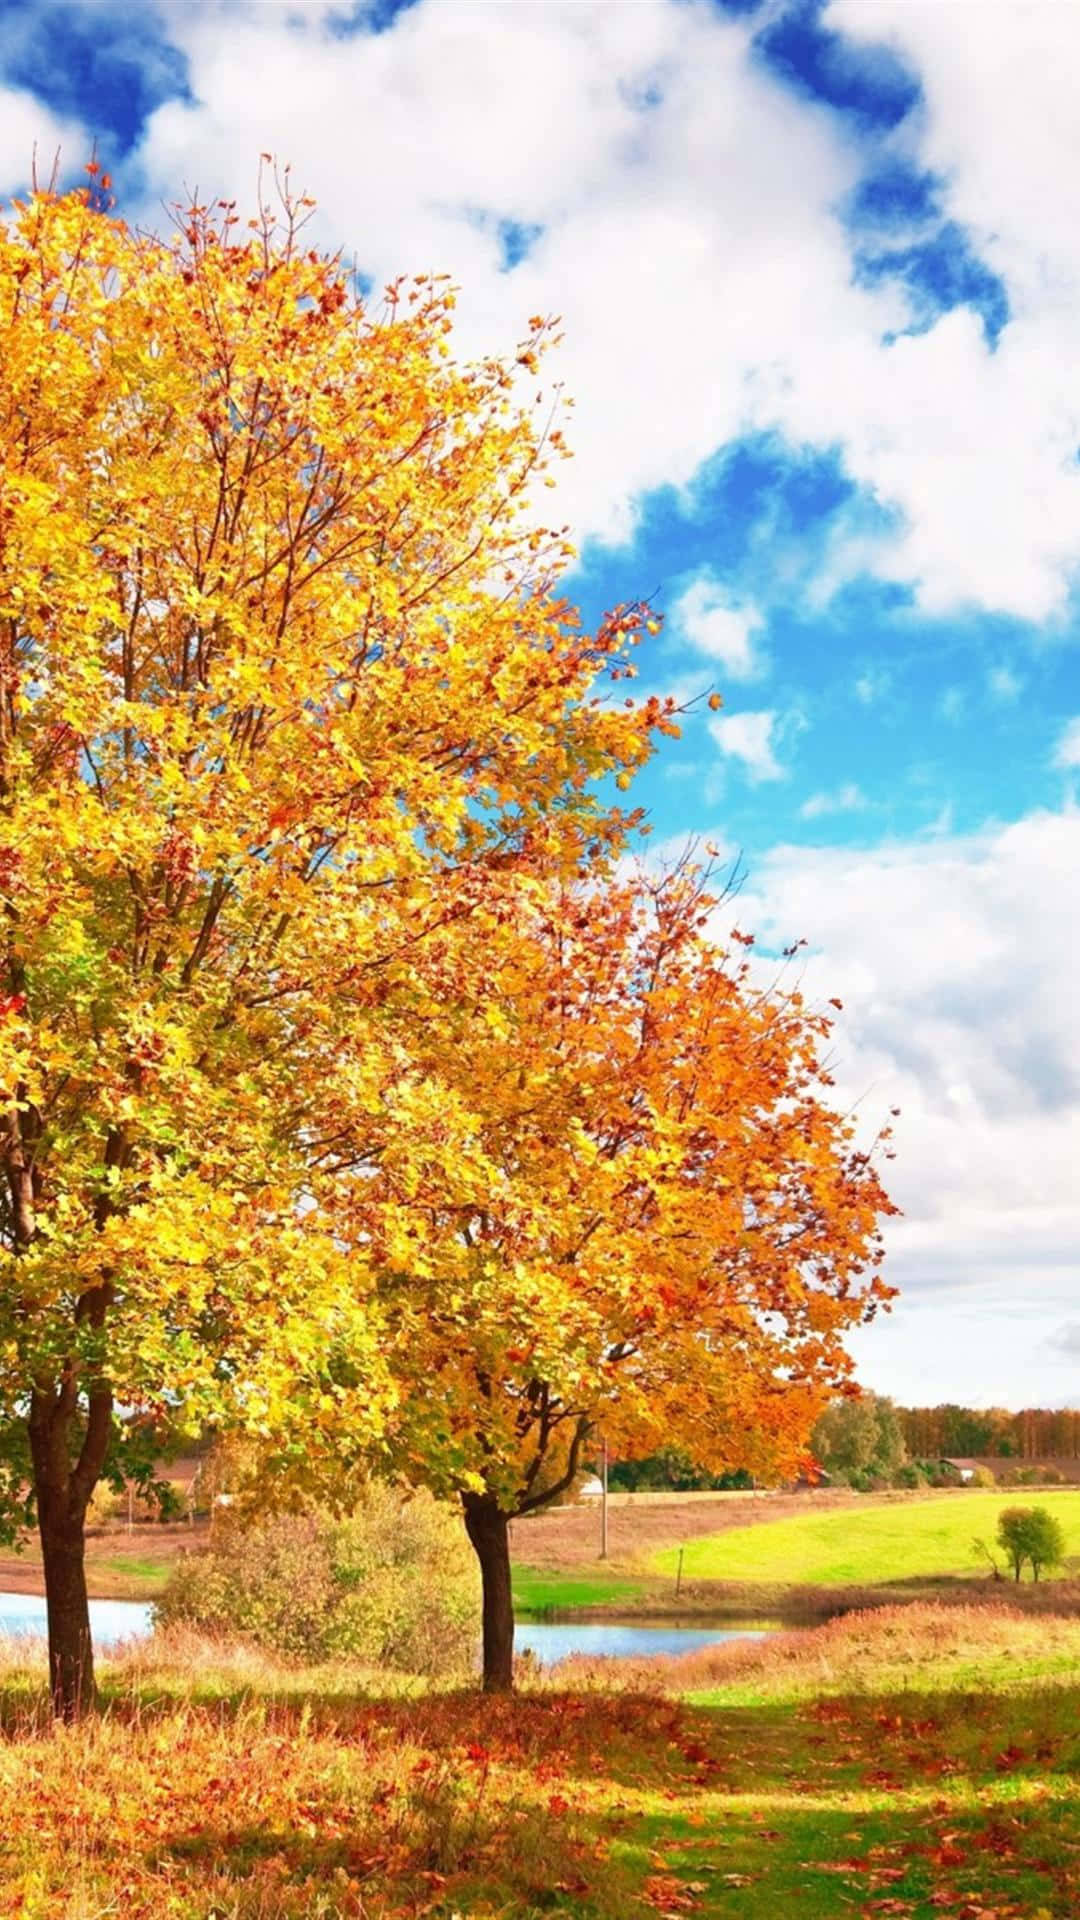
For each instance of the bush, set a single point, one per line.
(394, 1585)
(982, 1477)
(937, 1473)
(910, 1475)
(104, 1505)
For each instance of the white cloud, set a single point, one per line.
(1067, 753)
(749, 737)
(955, 963)
(722, 630)
(30, 134)
(846, 799)
(692, 245)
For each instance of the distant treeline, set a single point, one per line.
(1038, 1433)
(672, 1471)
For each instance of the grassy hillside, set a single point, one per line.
(911, 1763)
(866, 1545)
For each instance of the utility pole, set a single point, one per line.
(603, 1501)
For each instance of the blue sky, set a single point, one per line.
(818, 263)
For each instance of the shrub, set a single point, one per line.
(982, 1477)
(394, 1585)
(938, 1473)
(105, 1504)
(910, 1475)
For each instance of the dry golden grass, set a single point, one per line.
(887, 1646)
(149, 1550)
(216, 1782)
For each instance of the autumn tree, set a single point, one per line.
(859, 1436)
(285, 689)
(637, 1213)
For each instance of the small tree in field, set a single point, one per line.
(1045, 1540)
(284, 690)
(1031, 1533)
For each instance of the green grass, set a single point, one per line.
(909, 1763)
(901, 1765)
(539, 1592)
(865, 1545)
(150, 1576)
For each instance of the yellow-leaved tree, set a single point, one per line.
(634, 1208)
(285, 691)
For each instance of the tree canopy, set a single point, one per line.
(285, 687)
(354, 1092)
(636, 1212)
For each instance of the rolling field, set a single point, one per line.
(867, 1545)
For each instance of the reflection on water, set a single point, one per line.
(552, 1640)
(110, 1620)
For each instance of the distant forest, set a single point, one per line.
(928, 1434)
(1037, 1433)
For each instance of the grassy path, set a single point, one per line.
(912, 1763)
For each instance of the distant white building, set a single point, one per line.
(965, 1468)
(590, 1489)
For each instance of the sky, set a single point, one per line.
(818, 267)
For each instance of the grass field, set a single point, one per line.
(910, 1763)
(865, 1546)
(539, 1592)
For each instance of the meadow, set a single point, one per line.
(926, 1538)
(910, 1763)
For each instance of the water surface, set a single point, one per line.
(23, 1614)
(111, 1621)
(552, 1640)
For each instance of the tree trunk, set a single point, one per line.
(62, 1491)
(488, 1528)
(71, 1653)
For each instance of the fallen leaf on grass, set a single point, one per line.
(669, 1895)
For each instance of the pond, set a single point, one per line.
(110, 1620)
(550, 1640)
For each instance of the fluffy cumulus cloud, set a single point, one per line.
(31, 137)
(728, 257)
(711, 624)
(956, 963)
(749, 738)
(643, 171)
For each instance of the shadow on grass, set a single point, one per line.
(907, 1802)
(898, 1805)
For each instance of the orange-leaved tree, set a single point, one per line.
(637, 1211)
(284, 683)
